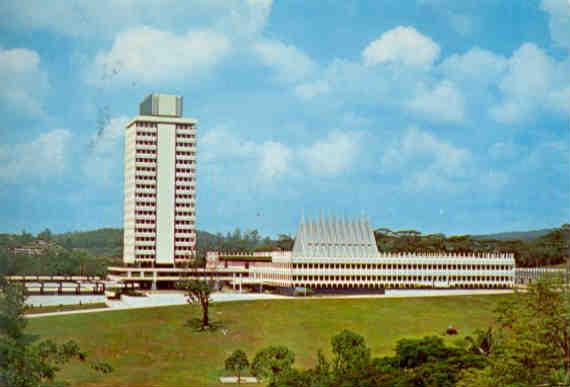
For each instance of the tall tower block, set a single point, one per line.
(160, 184)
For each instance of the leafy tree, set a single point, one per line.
(429, 362)
(350, 354)
(199, 291)
(23, 361)
(237, 362)
(272, 361)
(533, 344)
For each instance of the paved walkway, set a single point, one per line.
(157, 299)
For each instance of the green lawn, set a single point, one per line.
(155, 347)
(64, 308)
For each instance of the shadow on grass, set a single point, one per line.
(196, 325)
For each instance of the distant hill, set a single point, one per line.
(515, 235)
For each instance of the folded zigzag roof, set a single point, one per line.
(336, 238)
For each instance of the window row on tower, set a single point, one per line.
(145, 213)
(145, 169)
(145, 229)
(145, 160)
(145, 195)
(150, 135)
(145, 239)
(146, 124)
(146, 142)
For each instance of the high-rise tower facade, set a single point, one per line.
(160, 184)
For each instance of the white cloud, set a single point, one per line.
(220, 144)
(333, 154)
(270, 159)
(43, 158)
(22, 82)
(443, 103)
(427, 162)
(148, 55)
(275, 159)
(328, 156)
(311, 90)
(289, 63)
(402, 45)
(532, 81)
(105, 152)
(560, 99)
(559, 20)
(106, 18)
(475, 66)
(530, 72)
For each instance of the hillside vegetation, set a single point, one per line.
(90, 252)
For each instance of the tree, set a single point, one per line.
(532, 346)
(199, 291)
(350, 354)
(272, 361)
(237, 362)
(23, 361)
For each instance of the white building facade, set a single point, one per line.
(340, 254)
(159, 184)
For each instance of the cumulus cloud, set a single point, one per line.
(22, 81)
(43, 158)
(274, 159)
(106, 18)
(150, 55)
(559, 20)
(310, 90)
(289, 63)
(333, 154)
(221, 147)
(475, 66)
(328, 156)
(444, 102)
(533, 81)
(426, 161)
(401, 45)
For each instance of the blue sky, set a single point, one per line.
(436, 115)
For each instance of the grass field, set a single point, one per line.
(156, 347)
(64, 308)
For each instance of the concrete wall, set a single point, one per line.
(165, 169)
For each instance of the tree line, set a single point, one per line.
(550, 249)
(90, 252)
